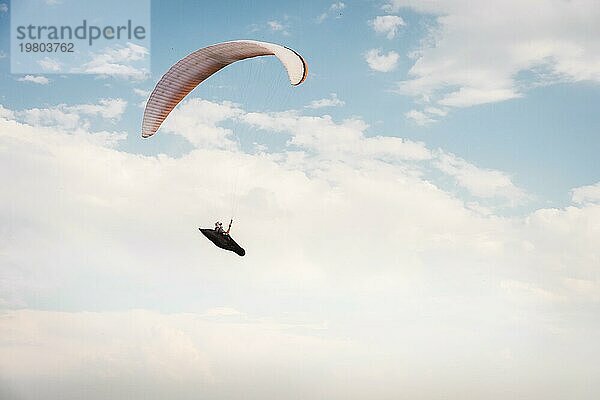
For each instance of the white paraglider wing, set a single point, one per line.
(190, 71)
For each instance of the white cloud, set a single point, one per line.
(586, 194)
(388, 25)
(484, 183)
(106, 108)
(3, 7)
(50, 64)
(347, 239)
(3, 55)
(56, 117)
(120, 61)
(587, 289)
(335, 9)
(198, 121)
(337, 6)
(426, 116)
(222, 312)
(277, 26)
(467, 97)
(530, 291)
(392, 7)
(40, 80)
(153, 355)
(331, 101)
(382, 62)
(336, 141)
(440, 112)
(72, 118)
(418, 117)
(470, 57)
(6, 113)
(141, 92)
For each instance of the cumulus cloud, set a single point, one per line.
(418, 117)
(387, 24)
(275, 25)
(331, 140)
(331, 101)
(55, 116)
(202, 123)
(278, 26)
(106, 108)
(335, 10)
(152, 355)
(74, 118)
(381, 62)
(40, 80)
(141, 92)
(480, 182)
(199, 120)
(121, 61)
(587, 194)
(357, 259)
(6, 113)
(466, 97)
(441, 112)
(469, 56)
(426, 116)
(49, 64)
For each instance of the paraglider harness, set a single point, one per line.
(222, 239)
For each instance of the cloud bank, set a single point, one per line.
(470, 57)
(365, 276)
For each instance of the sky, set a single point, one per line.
(421, 217)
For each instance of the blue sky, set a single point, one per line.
(549, 132)
(424, 208)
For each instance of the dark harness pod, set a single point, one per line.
(223, 241)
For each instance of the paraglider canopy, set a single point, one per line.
(190, 71)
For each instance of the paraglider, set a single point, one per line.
(222, 239)
(190, 72)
